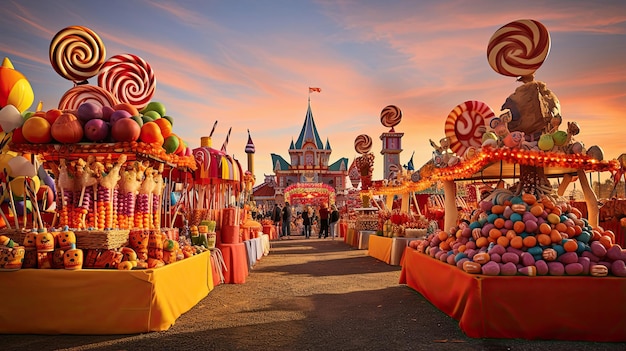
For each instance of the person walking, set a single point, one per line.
(323, 221)
(277, 217)
(306, 222)
(333, 220)
(287, 220)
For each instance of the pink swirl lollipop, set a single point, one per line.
(129, 78)
(363, 144)
(518, 48)
(77, 53)
(390, 116)
(86, 93)
(465, 125)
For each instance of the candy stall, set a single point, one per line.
(88, 220)
(519, 265)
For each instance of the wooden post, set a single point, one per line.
(450, 212)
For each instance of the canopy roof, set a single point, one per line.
(310, 193)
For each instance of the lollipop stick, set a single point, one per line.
(95, 205)
(82, 193)
(12, 201)
(31, 192)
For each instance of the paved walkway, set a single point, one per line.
(315, 294)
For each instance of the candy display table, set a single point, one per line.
(102, 301)
(398, 245)
(521, 307)
(342, 228)
(388, 250)
(265, 244)
(236, 261)
(271, 231)
(352, 237)
(363, 238)
(380, 248)
(254, 251)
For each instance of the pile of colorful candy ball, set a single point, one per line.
(510, 235)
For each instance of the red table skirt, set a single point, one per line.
(236, 261)
(342, 229)
(552, 308)
(271, 231)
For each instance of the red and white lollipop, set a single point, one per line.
(518, 48)
(363, 144)
(466, 125)
(129, 78)
(80, 94)
(390, 116)
(77, 53)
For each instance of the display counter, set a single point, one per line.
(551, 308)
(254, 251)
(342, 228)
(388, 250)
(271, 231)
(363, 238)
(102, 301)
(352, 237)
(236, 262)
(265, 244)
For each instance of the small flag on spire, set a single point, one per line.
(315, 90)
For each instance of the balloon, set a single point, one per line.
(17, 185)
(19, 207)
(20, 166)
(10, 118)
(14, 88)
(45, 178)
(4, 162)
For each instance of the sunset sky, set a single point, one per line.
(249, 64)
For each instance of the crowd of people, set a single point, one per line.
(308, 220)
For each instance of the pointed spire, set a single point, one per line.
(6, 63)
(309, 131)
(291, 146)
(250, 149)
(327, 144)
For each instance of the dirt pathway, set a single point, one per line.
(306, 295)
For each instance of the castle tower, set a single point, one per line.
(392, 146)
(250, 150)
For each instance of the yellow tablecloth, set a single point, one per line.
(380, 248)
(102, 301)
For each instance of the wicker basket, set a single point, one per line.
(17, 235)
(101, 239)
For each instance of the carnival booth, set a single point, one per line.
(523, 240)
(99, 252)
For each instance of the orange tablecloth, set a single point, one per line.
(102, 301)
(236, 261)
(380, 248)
(558, 308)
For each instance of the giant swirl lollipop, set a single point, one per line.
(77, 53)
(129, 78)
(363, 144)
(518, 48)
(81, 94)
(466, 125)
(390, 116)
